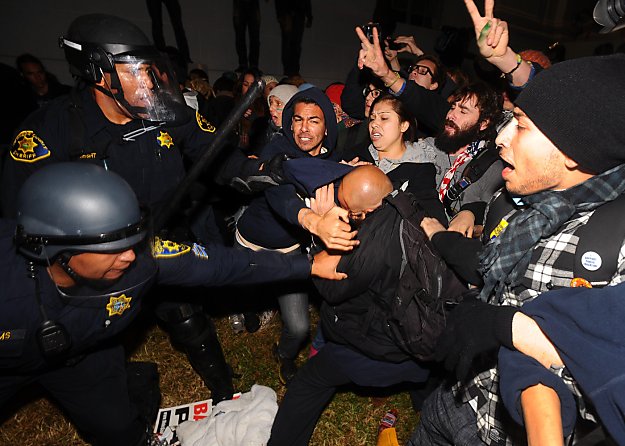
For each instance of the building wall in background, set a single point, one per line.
(329, 47)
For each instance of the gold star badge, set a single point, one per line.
(165, 140)
(26, 144)
(117, 305)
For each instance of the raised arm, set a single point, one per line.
(491, 35)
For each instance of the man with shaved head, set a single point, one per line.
(358, 348)
(362, 191)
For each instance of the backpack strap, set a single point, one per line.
(406, 206)
(600, 241)
(410, 214)
(480, 164)
(497, 210)
(473, 171)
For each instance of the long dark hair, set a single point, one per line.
(404, 115)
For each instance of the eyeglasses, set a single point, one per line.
(375, 92)
(422, 70)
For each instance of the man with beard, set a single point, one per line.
(556, 176)
(467, 167)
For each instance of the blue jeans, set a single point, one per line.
(295, 320)
(446, 422)
(293, 301)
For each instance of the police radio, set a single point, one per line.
(52, 337)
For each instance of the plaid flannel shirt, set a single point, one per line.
(551, 267)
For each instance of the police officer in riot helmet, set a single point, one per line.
(73, 283)
(75, 268)
(126, 114)
(131, 78)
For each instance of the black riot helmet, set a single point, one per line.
(116, 57)
(76, 207)
(610, 14)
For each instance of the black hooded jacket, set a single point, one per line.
(351, 311)
(271, 219)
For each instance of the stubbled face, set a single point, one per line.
(101, 266)
(422, 76)
(309, 127)
(533, 163)
(276, 106)
(385, 127)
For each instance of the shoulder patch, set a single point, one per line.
(203, 123)
(165, 139)
(163, 249)
(28, 147)
(200, 251)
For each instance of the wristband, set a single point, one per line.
(397, 77)
(508, 75)
(400, 91)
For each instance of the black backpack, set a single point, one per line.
(417, 313)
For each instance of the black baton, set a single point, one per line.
(209, 155)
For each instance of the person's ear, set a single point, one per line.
(404, 126)
(570, 163)
(484, 124)
(434, 86)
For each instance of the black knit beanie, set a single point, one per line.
(579, 105)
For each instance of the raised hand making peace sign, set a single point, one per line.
(491, 35)
(371, 56)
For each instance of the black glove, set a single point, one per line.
(273, 168)
(270, 174)
(473, 328)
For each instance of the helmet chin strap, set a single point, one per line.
(123, 105)
(63, 262)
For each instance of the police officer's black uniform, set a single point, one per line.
(73, 128)
(87, 375)
(148, 155)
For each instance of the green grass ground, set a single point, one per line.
(351, 419)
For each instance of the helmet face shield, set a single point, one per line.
(146, 88)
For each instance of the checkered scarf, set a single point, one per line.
(505, 259)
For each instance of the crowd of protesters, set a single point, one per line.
(508, 172)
